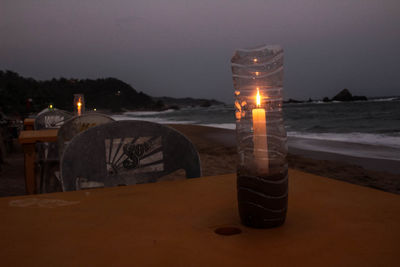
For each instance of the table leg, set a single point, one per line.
(29, 158)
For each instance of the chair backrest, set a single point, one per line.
(51, 119)
(126, 152)
(78, 124)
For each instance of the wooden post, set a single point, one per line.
(28, 124)
(29, 159)
(28, 140)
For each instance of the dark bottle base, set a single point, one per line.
(262, 201)
(254, 220)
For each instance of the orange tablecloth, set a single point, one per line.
(329, 223)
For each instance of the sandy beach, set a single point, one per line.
(217, 149)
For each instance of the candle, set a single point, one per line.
(79, 104)
(260, 136)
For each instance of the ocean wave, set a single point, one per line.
(151, 119)
(392, 140)
(358, 138)
(384, 99)
(147, 113)
(388, 99)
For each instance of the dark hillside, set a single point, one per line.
(109, 93)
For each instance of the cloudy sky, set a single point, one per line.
(183, 48)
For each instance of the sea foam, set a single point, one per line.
(357, 138)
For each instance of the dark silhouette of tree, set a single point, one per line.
(109, 94)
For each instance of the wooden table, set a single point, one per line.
(28, 139)
(329, 223)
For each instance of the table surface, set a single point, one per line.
(329, 223)
(45, 135)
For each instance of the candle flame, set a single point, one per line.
(255, 60)
(258, 97)
(79, 104)
(257, 73)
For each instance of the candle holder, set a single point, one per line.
(79, 104)
(262, 170)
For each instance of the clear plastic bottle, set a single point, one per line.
(262, 171)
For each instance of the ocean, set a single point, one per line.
(373, 123)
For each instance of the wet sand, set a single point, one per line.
(217, 149)
(372, 157)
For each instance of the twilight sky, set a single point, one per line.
(183, 48)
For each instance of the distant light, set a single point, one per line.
(94, 109)
(257, 73)
(255, 60)
(51, 106)
(79, 104)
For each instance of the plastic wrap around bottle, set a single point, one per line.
(262, 171)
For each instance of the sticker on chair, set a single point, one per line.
(83, 126)
(134, 155)
(53, 121)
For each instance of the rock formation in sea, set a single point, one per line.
(345, 96)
